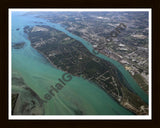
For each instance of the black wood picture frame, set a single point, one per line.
(153, 4)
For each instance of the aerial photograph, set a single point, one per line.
(79, 62)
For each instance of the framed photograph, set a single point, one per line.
(65, 63)
(80, 64)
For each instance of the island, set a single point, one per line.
(18, 45)
(71, 56)
(17, 29)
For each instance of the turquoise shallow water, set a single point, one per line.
(78, 94)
